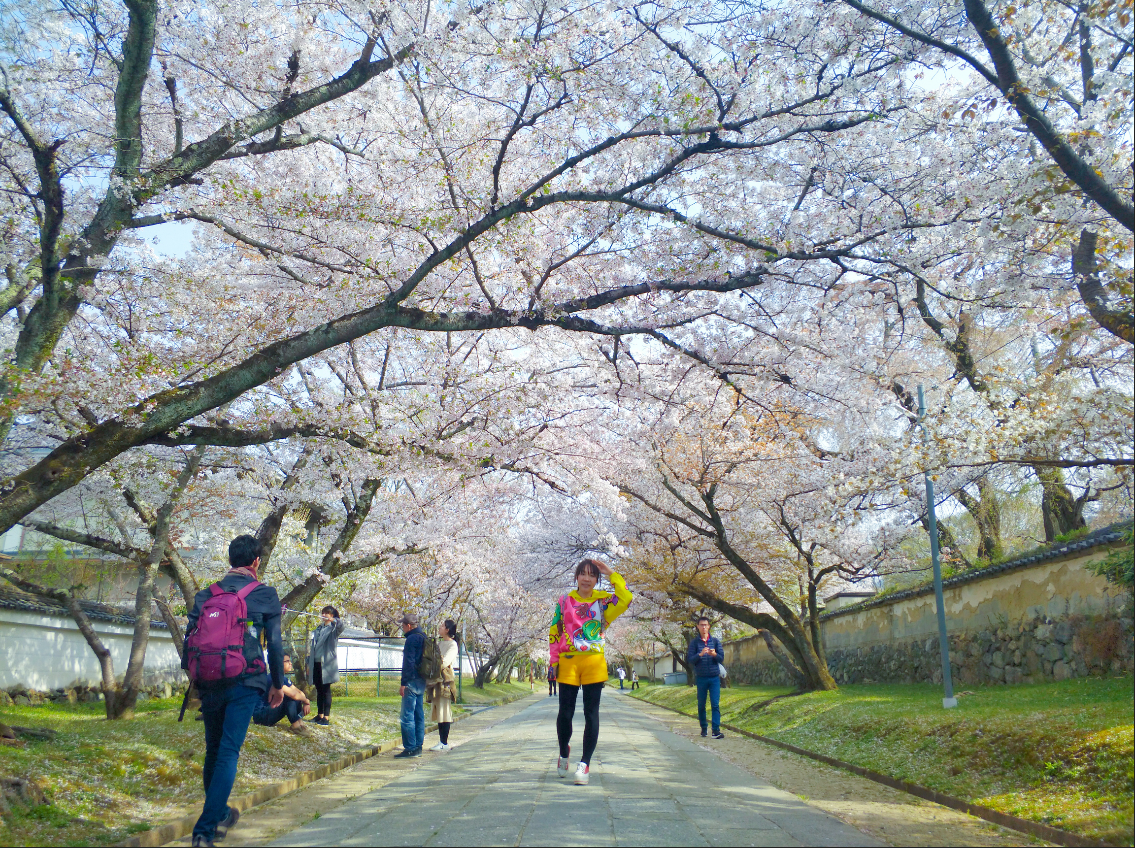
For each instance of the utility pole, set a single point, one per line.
(932, 520)
(460, 664)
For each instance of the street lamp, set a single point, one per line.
(932, 521)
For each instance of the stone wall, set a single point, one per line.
(1044, 617)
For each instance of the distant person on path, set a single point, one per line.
(576, 636)
(622, 673)
(551, 681)
(323, 661)
(531, 678)
(228, 701)
(412, 716)
(296, 705)
(442, 692)
(706, 655)
(634, 680)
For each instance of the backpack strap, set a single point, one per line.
(247, 590)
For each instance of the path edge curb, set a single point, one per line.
(1031, 828)
(157, 836)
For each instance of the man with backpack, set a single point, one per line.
(413, 688)
(229, 623)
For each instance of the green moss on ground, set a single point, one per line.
(1056, 753)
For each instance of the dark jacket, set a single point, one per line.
(412, 656)
(263, 606)
(706, 666)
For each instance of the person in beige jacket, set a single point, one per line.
(441, 692)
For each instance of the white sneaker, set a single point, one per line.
(563, 764)
(582, 774)
(440, 746)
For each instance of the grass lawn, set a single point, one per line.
(107, 780)
(1057, 753)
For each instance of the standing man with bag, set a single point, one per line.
(706, 654)
(412, 716)
(229, 624)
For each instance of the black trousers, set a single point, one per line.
(551, 687)
(443, 731)
(322, 691)
(592, 692)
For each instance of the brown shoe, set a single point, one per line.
(300, 730)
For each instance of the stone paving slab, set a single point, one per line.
(649, 786)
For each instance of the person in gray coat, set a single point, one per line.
(323, 661)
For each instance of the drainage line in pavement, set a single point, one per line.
(182, 827)
(1052, 834)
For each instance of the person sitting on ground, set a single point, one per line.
(296, 705)
(706, 655)
(323, 661)
(442, 692)
(413, 689)
(577, 637)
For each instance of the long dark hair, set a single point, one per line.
(451, 629)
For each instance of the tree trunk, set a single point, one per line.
(794, 672)
(143, 601)
(1063, 512)
(985, 510)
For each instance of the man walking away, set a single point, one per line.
(551, 681)
(622, 675)
(412, 690)
(233, 680)
(296, 705)
(706, 655)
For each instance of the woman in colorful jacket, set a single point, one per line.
(576, 637)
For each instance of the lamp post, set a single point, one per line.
(932, 520)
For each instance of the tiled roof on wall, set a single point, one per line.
(1096, 539)
(15, 600)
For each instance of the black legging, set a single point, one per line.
(592, 692)
(443, 731)
(322, 691)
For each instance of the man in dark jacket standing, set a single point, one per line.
(413, 689)
(705, 656)
(228, 705)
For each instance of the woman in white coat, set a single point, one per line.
(441, 692)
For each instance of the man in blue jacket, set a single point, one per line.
(413, 689)
(228, 706)
(705, 656)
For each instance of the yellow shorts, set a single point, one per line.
(580, 669)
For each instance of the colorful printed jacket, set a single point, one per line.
(578, 625)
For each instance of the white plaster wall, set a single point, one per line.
(44, 651)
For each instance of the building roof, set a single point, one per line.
(25, 602)
(1096, 539)
(852, 593)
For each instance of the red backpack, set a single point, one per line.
(216, 647)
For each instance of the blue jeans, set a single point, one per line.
(412, 716)
(268, 716)
(712, 687)
(227, 713)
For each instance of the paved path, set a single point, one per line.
(649, 787)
